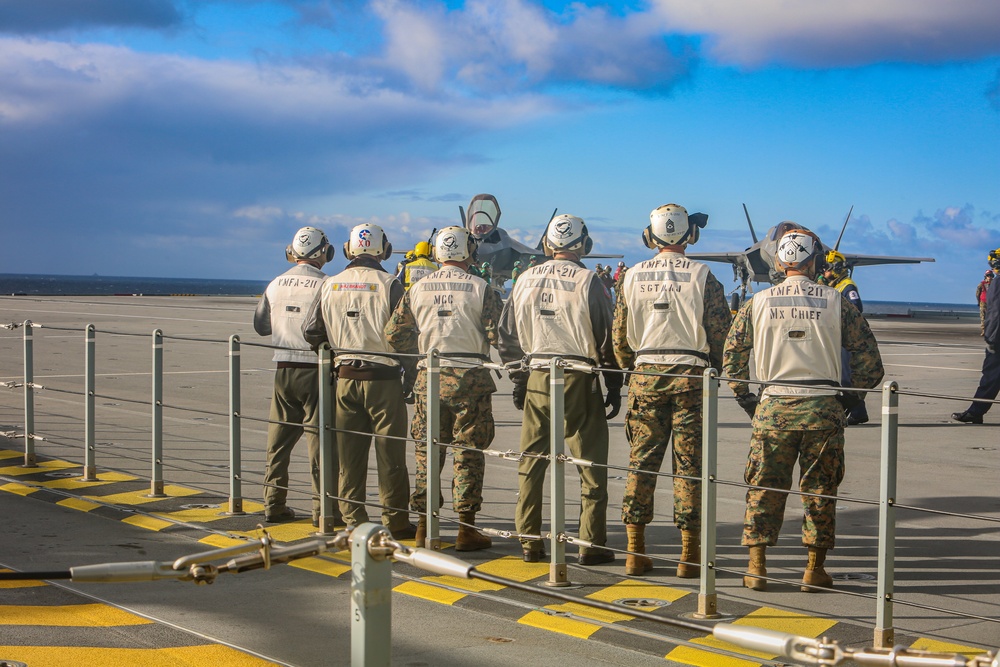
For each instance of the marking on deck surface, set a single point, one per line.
(43, 466)
(509, 567)
(71, 656)
(19, 489)
(142, 497)
(72, 615)
(765, 617)
(575, 627)
(78, 504)
(925, 644)
(78, 483)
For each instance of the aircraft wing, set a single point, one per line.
(874, 260)
(730, 257)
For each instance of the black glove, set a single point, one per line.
(408, 397)
(990, 349)
(849, 399)
(520, 392)
(749, 403)
(613, 401)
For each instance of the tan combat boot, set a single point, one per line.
(421, 537)
(815, 575)
(756, 567)
(689, 568)
(470, 539)
(637, 565)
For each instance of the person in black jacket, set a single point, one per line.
(989, 382)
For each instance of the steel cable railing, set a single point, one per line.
(557, 534)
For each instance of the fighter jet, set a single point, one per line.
(495, 244)
(750, 266)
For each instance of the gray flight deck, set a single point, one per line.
(944, 563)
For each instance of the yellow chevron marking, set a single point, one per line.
(141, 497)
(765, 617)
(19, 584)
(10, 454)
(19, 489)
(70, 656)
(74, 615)
(78, 504)
(282, 532)
(620, 591)
(78, 483)
(147, 522)
(221, 541)
(43, 466)
(925, 644)
(509, 567)
(200, 515)
(321, 565)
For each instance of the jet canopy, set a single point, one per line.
(483, 216)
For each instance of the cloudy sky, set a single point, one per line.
(193, 137)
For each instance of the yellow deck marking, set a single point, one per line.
(70, 656)
(765, 617)
(74, 615)
(78, 483)
(510, 567)
(43, 466)
(19, 489)
(221, 541)
(321, 565)
(78, 504)
(283, 532)
(924, 644)
(19, 584)
(147, 522)
(141, 497)
(620, 591)
(10, 454)
(200, 515)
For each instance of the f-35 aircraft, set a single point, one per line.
(750, 266)
(495, 244)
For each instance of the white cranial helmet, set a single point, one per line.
(669, 225)
(454, 244)
(309, 244)
(797, 248)
(567, 233)
(367, 239)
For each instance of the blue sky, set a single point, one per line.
(193, 137)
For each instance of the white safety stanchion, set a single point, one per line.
(884, 633)
(557, 473)
(30, 461)
(90, 398)
(235, 435)
(328, 464)
(156, 479)
(707, 597)
(371, 598)
(433, 497)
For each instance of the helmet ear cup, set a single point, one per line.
(347, 250)
(330, 252)
(386, 248)
(588, 245)
(647, 238)
(289, 255)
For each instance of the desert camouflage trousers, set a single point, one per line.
(772, 457)
(467, 422)
(650, 421)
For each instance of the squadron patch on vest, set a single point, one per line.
(353, 287)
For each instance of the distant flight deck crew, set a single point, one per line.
(457, 314)
(836, 275)
(796, 330)
(350, 313)
(989, 381)
(560, 309)
(295, 400)
(420, 266)
(671, 317)
(981, 299)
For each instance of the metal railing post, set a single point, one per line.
(707, 597)
(235, 430)
(90, 397)
(557, 473)
(156, 475)
(371, 599)
(884, 632)
(327, 439)
(433, 540)
(30, 460)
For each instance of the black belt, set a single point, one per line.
(670, 350)
(463, 355)
(807, 383)
(296, 364)
(371, 372)
(571, 357)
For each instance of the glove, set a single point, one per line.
(520, 392)
(990, 349)
(613, 401)
(408, 396)
(749, 403)
(849, 399)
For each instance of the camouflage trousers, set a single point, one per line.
(649, 423)
(772, 457)
(464, 421)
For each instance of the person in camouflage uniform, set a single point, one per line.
(458, 314)
(671, 318)
(795, 331)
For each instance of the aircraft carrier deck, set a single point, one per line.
(947, 565)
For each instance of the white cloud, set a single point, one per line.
(834, 34)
